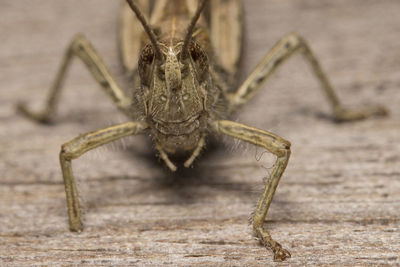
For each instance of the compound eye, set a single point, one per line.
(145, 61)
(200, 59)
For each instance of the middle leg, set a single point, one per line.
(81, 48)
(284, 49)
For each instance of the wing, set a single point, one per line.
(226, 25)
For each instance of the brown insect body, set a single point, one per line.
(177, 94)
(185, 63)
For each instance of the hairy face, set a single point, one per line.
(174, 89)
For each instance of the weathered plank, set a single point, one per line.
(337, 204)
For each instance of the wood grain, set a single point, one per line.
(338, 202)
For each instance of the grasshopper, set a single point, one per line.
(184, 60)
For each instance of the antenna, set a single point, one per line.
(190, 29)
(147, 29)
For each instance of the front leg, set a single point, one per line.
(277, 146)
(283, 50)
(80, 145)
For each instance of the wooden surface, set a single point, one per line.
(338, 202)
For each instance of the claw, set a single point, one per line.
(280, 254)
(41, 117)
(343, 114)
(381, 111)
(75, 226)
